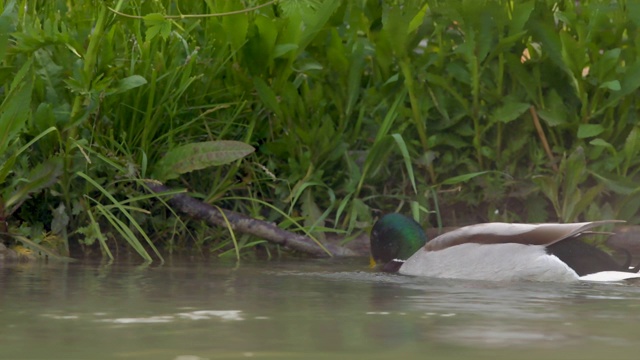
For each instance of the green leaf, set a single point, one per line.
(14, 110)
(547, 34)
(43, 118)
(128, 83)
(375, 158)
(154, 19)
(354, 78)
(282, 49)
(573, 54)
(418, 18)
(267, 95)
(156, 24)
(606, 65)
(633, 12)
(447, 139)
(7, 166)
(6, 27)
(306, 65)
(395, 25)
(611, 85)
(621, 185)
(520, 16)
(631, 147)
(552, 118)
(359, 212)
(602, 143)
(390, 117)
(583, 202)
(60, 219)
(317, 21)
(313, 216)
(299, 7)
(463, 178)
(574, 170)
(407, 159)
(589, 130)
(629, 208)
(629, 82)
(485, 29)
(41, 177)
(510, 111)
(235, 26)
(549, 187)
(268, 34)
(555, 112)
(196, 156)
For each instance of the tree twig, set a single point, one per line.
(543, 138)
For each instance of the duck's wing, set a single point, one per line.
(498, 233)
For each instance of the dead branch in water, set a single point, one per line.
(244, 224)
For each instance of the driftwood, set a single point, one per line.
(244, 224)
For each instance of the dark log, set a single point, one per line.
(244, 224)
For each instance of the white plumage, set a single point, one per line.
(499, 262)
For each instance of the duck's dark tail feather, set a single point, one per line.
(587, 259)
(629, 259)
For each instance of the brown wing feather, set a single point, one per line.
(498, 233)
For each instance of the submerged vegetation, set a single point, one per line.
(456, 111)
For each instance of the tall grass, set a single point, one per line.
(354, 108)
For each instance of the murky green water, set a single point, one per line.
(310, 309)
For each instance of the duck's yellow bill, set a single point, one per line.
(372, 263)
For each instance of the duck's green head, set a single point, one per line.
(395, 237)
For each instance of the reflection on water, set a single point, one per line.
(196, 309)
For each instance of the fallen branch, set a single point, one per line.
(244, 224)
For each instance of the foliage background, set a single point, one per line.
(454, 111)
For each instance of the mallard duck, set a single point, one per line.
(495, 251)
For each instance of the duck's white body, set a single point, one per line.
(498, 262)
(503, 252)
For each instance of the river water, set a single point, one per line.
(191, 309)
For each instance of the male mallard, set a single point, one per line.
(494, 251)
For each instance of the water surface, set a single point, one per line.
(305, 309)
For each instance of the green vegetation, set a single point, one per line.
(457, 111)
